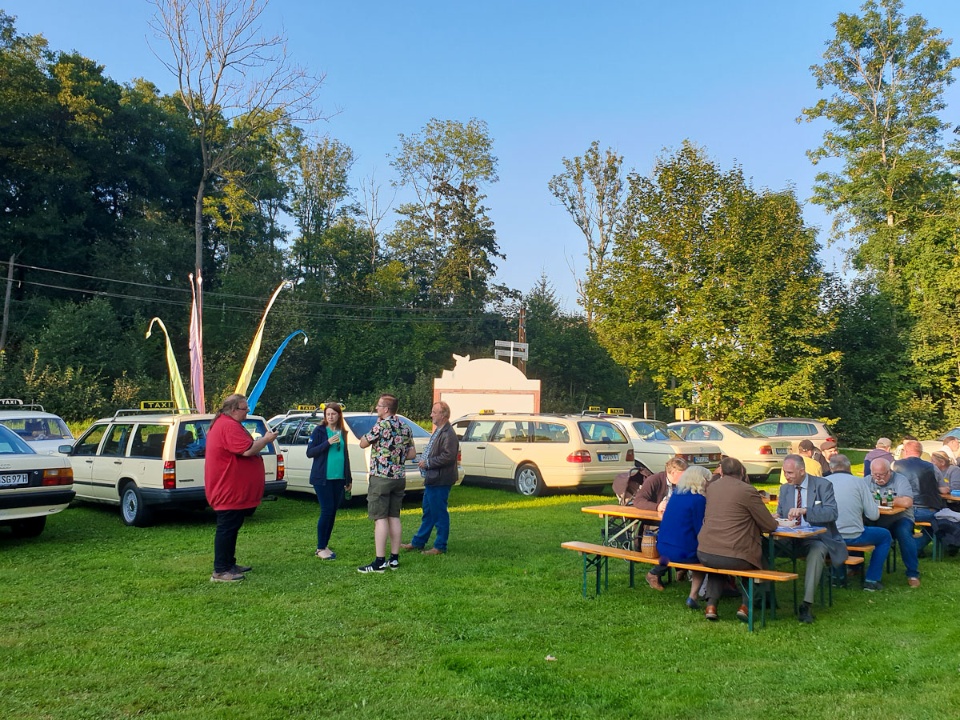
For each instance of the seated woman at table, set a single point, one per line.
(733, 525)
(948, 474)
(682, 519)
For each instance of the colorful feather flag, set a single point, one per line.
(265, 375)
(196, 344)
(247, 373)
(177, 393)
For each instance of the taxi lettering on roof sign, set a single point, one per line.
(593, 408)
(306, 408)
(156, 405)
(614, 411)
(10, 401)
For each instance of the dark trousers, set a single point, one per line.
(229, 523)
(329, 495)
(715, 581)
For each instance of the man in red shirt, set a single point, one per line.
(233, 480)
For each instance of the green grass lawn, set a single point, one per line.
(98, 620)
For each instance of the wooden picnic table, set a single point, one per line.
(631, 516)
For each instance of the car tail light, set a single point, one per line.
(580, 456)
(459, 457)
(59, 476)
(630, 455)
(169, 474)
(281, 467)
(766, 450)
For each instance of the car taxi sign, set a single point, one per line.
(306, 408)
(614, 411)
(593, 408)
(10, 401)
(156, 404)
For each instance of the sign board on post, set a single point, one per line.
(511, 350)
(681, 414)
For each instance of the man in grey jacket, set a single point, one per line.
(438, 465)
(811, 499)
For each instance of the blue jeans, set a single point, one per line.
(329, 495)
(435, 515)
(924, 514)
(902, 531)
(881, 539)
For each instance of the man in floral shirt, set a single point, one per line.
(391, 444)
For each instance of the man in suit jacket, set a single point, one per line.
(438, 466)
(811, 500)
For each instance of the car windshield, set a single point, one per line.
(360, 425)
(652, 430)
(11, 444)
(743, 430)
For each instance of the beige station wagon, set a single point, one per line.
(536, 452)
(145, 461)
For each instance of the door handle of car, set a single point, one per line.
(481, 447)
(118, 462)
(283, 449)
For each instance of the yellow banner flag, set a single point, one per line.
(177, 392)
(247, 373)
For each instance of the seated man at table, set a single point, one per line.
(812, 501)
(927, 497)
(655, 490)
(854, 503)
(881, 479)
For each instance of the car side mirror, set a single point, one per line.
(65, 449)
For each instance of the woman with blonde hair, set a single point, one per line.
(682, 520)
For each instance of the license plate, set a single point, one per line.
(701, 458)
(14, 479)
(609, 457)
(782, 451)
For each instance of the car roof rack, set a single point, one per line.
(125, 412)
(18, 404)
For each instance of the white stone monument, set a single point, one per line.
(486, 384)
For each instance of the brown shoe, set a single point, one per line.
(743, 614)
(654, 581)
(913, 582)
(711, 613)
(226, 576)
(409, 546)
(433, 551)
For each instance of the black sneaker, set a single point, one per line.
(241, 569)
(804, 615)
(870, 586)
(393, 563)
(373, 567)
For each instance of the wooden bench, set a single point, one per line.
(926, 528)
(596, 556)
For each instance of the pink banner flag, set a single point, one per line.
(196, 344)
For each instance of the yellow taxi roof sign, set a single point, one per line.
(614, 411)
(156, 404)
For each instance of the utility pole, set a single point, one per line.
(522, 337)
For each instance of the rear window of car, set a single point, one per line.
(39, 428)
(599, 431)
(743, 431)
(797, 428)
(651, 431)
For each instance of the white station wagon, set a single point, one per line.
(536, 452)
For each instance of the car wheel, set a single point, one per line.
(132, 508)
(529, 481)
(29, 527)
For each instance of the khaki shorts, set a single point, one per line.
(384, 497)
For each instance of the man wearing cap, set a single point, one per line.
(881, 479)
(828, 448)
(854, 503)
(806, 449)
(881, 451)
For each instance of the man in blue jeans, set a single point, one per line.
(438, 465)
(900, 524)
(855, 503)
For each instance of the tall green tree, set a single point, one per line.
(712, 293)
(593, 191)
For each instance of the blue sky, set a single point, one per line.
(548, 78)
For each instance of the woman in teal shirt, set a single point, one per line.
(330, 474)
